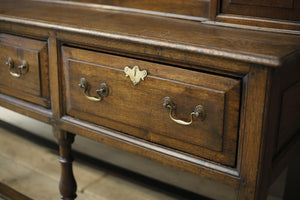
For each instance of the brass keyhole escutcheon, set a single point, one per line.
(135, 74)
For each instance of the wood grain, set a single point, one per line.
(34, 85)
(290, 115)
(285, 10)
(246, 79)
(67, 183)
(137, 110)
(252, 137)
(26, 108)
(186, 8)
(208, 170)
(257, 23)
(163, 33)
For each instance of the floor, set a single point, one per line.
(33, 170)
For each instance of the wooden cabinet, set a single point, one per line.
(215, 96)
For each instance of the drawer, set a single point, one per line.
(24, 69)
(140, 109)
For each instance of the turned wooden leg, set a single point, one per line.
(67, 184)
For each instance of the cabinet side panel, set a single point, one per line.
(290, 115)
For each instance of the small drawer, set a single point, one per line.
(24, 69)
(102, 89)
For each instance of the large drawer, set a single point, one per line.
(24, 69)
(138, 109)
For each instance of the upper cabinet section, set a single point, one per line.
(276, 9)
(267, 15)
(181, 8)
(268, 3)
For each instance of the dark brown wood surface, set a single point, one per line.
(177, 7)
(290, 115)
(137, 110)
(284, 9)
(34, 85)
(258, 24)
(293, 180)
(268, 3)
(253, 141)
(285, 127)
(163, 33)
(67, 183)
(252, 15)
(208, 170)
(249, 76)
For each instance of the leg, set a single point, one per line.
(67, 185)
(292, 185)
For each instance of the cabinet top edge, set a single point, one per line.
(263, 48)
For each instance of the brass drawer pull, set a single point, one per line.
(198, 112)
(102, 91)
(18, 71)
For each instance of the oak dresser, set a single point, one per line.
(207, 87)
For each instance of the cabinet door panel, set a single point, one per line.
(267, 3)
(273, 9)
(195, 8)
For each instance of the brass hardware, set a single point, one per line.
(135, 74)
(18, 71)
(102, 91)
(198, 112)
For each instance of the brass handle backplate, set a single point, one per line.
(17, 71)
(102, 91)
(198, 112)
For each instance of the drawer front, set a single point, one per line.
(138, 110)
(24, 69)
